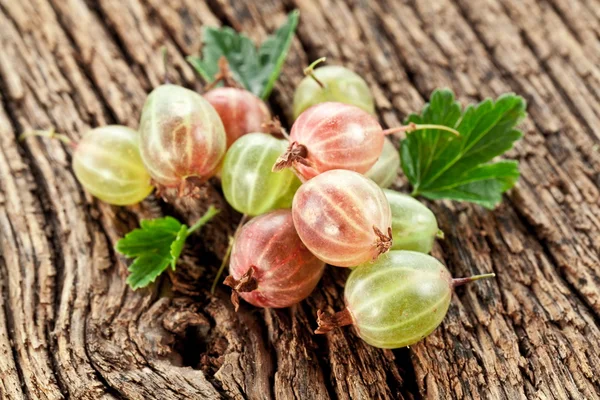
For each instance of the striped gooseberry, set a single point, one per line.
(107, 164)
(333, 136)
(414, 226)
(397, 300)
(182, 139)
(241, 111)
(270, 266)
(248, 183)
(332, 83)
(343, 218)
(385, 170)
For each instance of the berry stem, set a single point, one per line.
(411, 127)
(328, 322)
(165, 60)
(227, 253)
(211, 212)
(309, 71)
(51, 134)
(275, 128)
(440, 234)
(222, 266)
(461, 281)
(224, 75)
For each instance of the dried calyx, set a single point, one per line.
(296, 153)
(328, 322)
(246, 283)
(384, 242)
(192, 187)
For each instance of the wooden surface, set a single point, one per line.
(70, 327)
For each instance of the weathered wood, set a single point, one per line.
(70, 327)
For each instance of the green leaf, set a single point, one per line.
(256, 69)
(483, 185)
(441, 165)
(274, 50)
(177, 245)
(156, 245)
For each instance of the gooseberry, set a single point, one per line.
(333, 136)
(248, 183)
(397, 300)
(241, 111)
(107, 164)
(269, 265)
(385, 170)
(332, 83)
(343, 218)
(414, 226)
(182, 139)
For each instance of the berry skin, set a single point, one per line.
(343, 218)
(414, 226)
(107, 163)
(339, 84)
(385, 170)
(182, 138)
(248, 183)
(241, 111)
(270, 266)
(333, 136)
(397, 300)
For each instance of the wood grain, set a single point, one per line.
(71, 328)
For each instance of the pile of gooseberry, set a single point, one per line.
(314, 197)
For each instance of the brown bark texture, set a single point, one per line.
(71, 328)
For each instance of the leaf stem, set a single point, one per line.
(51, 134)
(461, 281)
(227, 253)
(417, 127)
(211, 212)
(309, 71)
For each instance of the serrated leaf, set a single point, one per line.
(256, 69)
(157, 244)
(177, 245)
(238, 49)
(145, 269)
(441, 165)
(154, 236)
(274, 50)
(483, 185)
